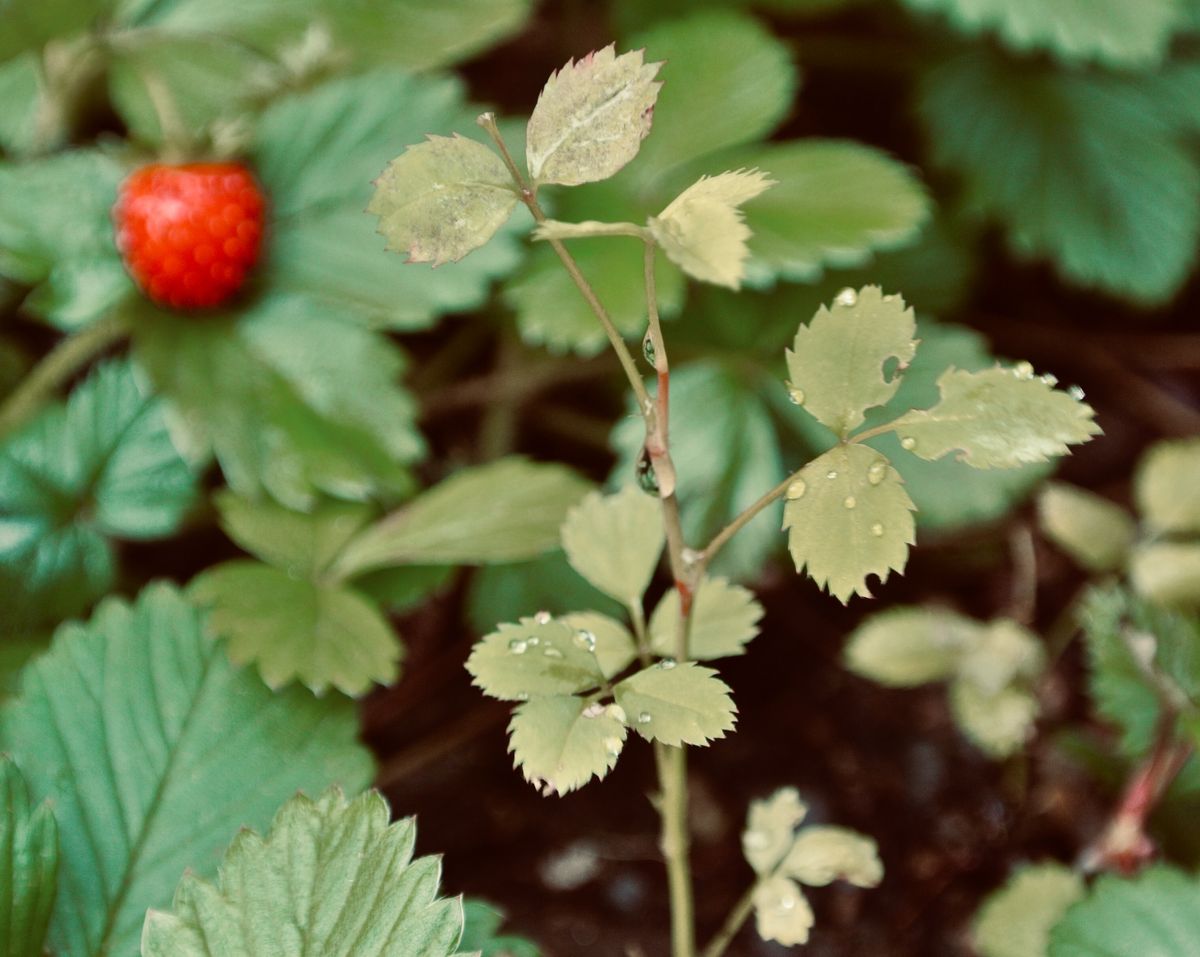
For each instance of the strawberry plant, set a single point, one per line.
(652, 534)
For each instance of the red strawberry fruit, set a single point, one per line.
(189, 234)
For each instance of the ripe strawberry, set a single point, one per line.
(188, 234)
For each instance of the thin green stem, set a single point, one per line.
(61, 363)
(745, 517)
(733, 923)
(672, 775)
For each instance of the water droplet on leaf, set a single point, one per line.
(847, 297)
(667, 664)
(1023, 370)
(585, 640)
(850, 501)
(908, 443)
(831, 474)
(796, 395)
(877, 530)
(593, 710)
(542, 617)
(551, 652)
(1050, 379)
(518, 646)
(612, 746)
(645, 717)
(877, 472)
(1076, 393)
(797, 489)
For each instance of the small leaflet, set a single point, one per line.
(677, 704)
(561, 742)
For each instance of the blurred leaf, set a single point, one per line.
(100, 466)
(16, 651)
(999, 723)
(481, 932)
(28, 866)
(505, 511)
(612, 644)
(537, 656)
(591, 117)
(907, 646)
(838, 361)
(677, 704)
(1112, 31)
(781, 911)
(770, 829)
(1092, 530)
(848, 517)
(821, 855)
(28, 24)
(998, 418)
(1001, 654)
(137, 728)
(1016, 920)
(56, 235)
(302, 890)
(1120, 208)
(1167, 494)
(1167, 573)
(294, 401)
(317, 153)
(21, 92)
(615, 541)
(724, 620)
(403, 588)
(1158, 912)
(561, 742)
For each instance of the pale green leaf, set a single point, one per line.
(703, 230)
(612, 644)
(591, 117)
(781, 911)
(1115, 178)
(677, 704)
(1114, 32)
(724, 620)
(839, 363)
(101, 466)
(903, 647)
(29, 24)
(561, 742)
(298, 629)
(998, 418)
(505, 511)
(28, 866)
(1094, 531)
(153, 749)
(998, 723)
(615, 541)
(1167, 573)
(822, 854)
(848, 517)
(1157, 912)
(442, 198)
(1016, 920)
(770, 829)
(331, 877)
(537, 656)
(1001, 654)
(22, 89)
(481, 932)
(1166, 490)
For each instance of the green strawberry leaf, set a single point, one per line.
(1165, 487)
(28, 866)
(610, 641)
(724, 620)
(1016, 920)
(615, 541)
(561, 742)
(481, 932)
(537, 656)
(677, 704)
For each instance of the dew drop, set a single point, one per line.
(534, 640)
(908, 443)
(787, 903)
(877, 472)
(648, 349)
(756, 840)
(847, 297)
(646, 479)
(585, 640)
(1076, 393)
(542, 618)
(850, 501)
(667, 664)
(1050, 379)
(797, 489)
(797, 396)
(1023, 370)
(523, 696)
(518, 646)
(831, 474)
(877, 530)
(612, 746)
(551, 652)
(690, 556)
(593, 710)
(645, 717)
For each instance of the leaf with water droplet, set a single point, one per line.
(724, 620)
(591, 117)
(560, 740)
(1095, 532)
(839, 359)
(534, 659)
(996, 420)
(781, 911)
(1166, 489)
(831, 529)
(615, 541)
(687, 704)
(613, 645)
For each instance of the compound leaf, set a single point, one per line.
(677, 704)
(724, 620)
(561, 742)
(615, 541)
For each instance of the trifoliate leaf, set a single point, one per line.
(1016, 920)
(998, 418)
(1110, 31)
(561, 742)
(836, 366)
(904, 647)
(1167, 573)
(481, 932)
(537, 656)
(1002, 653)
(591, 117)
(56, 235)
(724, 620)
(1157, 912)
(294, 401)
(1167, 494)
(1094, 531)
(317, 153)
(611, 642)
(848, 517)
(615, 541)
(770, 829)
(293, 628)
(781, 911)
(442, 198)
(1119, 186)
(703, 229)
(28, 866)
(823, 854)
(101, 466)
(331, 877)
(677, 704)
(153, 749)
(505, 511)
(999, 723)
